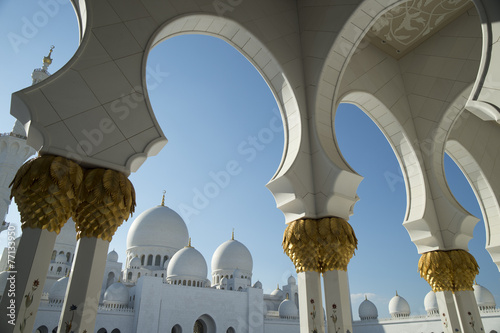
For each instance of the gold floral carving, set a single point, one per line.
(107, 198)
(452, 270)
(320, 244)
(45, 191)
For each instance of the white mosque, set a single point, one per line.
(164, 286)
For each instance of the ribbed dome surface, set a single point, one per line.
(158, 226)
(484, 298)
(367, 310)
(430, 303)
(58, 290)
(187, 262)
(116, 293)
(232, 255)
(399, 307)
(288, 309)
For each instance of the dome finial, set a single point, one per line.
(48, 60)
(397, 293)
(366, 297)
(189, 242)
(232, 235)
(163, 198)
(278, 286)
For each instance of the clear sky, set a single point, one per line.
(211, 103)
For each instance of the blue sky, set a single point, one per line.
(212, 104)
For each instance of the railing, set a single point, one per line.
(13, 135)
(114, 308)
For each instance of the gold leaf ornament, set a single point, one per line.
(451, 270)
(107, 198)
(44, 190)
(320, 244)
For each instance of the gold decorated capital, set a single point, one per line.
(45, 191)
(320, 245)
(452, 270)
(107, 198)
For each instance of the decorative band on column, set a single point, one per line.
(320, 244)
(45, 191)
(107, 198)
(452, 270)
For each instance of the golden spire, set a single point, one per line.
(397, 293)
(232, 235)
(163, 198)
(48, 60)
(278, 287)
(366, 297)
(189, 242)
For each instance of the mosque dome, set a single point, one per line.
(367, 310)
(430, 303)
(291, 280)
(112, 256)
(58, 290)
(116, 294)
(277, 292)
(135, 263)
(399, 307)
(60, 259)
(159, 226)
(257, 285)
(67, 235)
(232, 255)
(288, 309)
(484, 297)
(188, 263)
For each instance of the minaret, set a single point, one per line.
(13, 148)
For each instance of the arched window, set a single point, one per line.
(150, 260)
(66, 271)
(115, 331)
(129, 276)
(142, 259)
(184, 282)
(68, 256)
(198, 327)
(230, 330)
(218, 278)
(176, 329)
(51, 268)
(42, 329)
(189, 283)
(61, 252)
(54, 254)
(165, 258)
(162, 275)
(157, 260)
(59, 269)
(102, 330)
(138, 275)
(54, 330)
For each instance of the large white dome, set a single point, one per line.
(288, 309)
(117, 294)
(58, 290)
(399, 307)
(158, 226)
(367, 310)
(430, 303)
(484, 297)
(232, 255)
(187, 263)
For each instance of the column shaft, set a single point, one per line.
(29, 273)
(338, 301)
(84, 285)
(468, 312)
(311, 315)
(448, 311)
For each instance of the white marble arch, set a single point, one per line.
(421, 232)
(484, 193)
(484, 99)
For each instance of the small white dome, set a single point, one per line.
(367, 310)
(159, 226)
(257, 285)
(188, 263)
(399, 307)
(277, 292)
(223, 281)
(484, 297)
(3, 281)
(288, 309)
(135, 263)
(430, 303)
(60, 259)
(232, 255)
(112, 256)
(117, 294)
(58, 290)
(291, 281)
